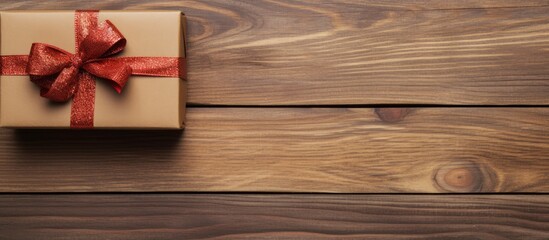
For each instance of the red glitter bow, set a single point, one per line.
(62, 75)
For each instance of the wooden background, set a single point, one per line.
(300, 110)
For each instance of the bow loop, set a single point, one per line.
(45, 59)
(102, 42)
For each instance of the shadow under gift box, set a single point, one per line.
(145, 102)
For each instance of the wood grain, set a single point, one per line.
(357, 52)
(354, 150)
(205, 216)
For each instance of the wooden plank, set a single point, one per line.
(290, 53)
(205, 216)
(358, 52)
(293, 150)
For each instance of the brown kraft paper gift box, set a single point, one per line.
(145, 102)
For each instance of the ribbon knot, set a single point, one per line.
(76, 61)
(59, 72)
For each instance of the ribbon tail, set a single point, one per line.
(83, 105)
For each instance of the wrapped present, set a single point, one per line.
(92, 69)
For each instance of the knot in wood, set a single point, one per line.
(464, 177)
(392, 115)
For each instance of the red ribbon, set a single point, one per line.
(63, 76)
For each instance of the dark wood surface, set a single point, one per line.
(330, 69)
(261, 216)
(357, 52)
(293, 150)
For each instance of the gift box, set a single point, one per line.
(92, 69)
